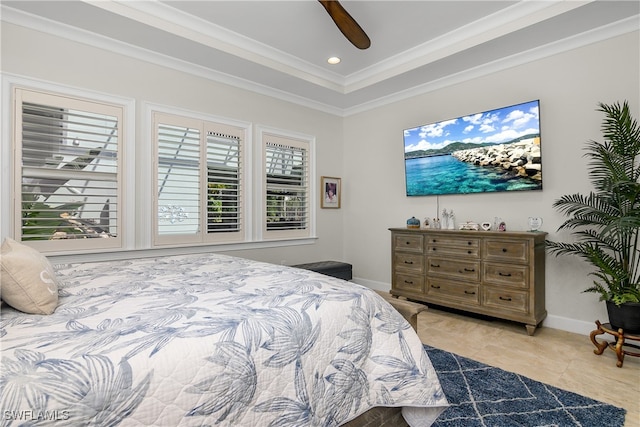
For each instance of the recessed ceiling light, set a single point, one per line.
(333, 60)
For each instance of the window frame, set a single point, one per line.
(17, 90)
(204, 123)
(296, 140)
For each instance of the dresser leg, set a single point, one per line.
(531, 329)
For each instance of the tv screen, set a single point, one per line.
(496, 150)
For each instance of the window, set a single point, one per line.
(81, 185)
(287, 196)
(69, 165)
(199, 181)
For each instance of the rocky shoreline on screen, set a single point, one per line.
(522, 157)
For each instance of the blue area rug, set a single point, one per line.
(482, 395)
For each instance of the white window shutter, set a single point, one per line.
(224, 183)
(200, 185)
(287, 196)
(178, 180)
(69, 165)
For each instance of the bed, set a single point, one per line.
(194, 340)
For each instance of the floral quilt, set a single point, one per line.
(210, 339)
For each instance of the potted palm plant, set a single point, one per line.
(606, 222)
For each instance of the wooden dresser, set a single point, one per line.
(499, 274)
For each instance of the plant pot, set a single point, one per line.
(625, 316)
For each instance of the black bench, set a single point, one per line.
(341, 270)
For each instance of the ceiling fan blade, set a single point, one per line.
(346, 24)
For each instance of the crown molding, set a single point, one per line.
(40, 24)
(89, 38)
(171, 20)
(512, 18)
(174, 21)
(615, 29)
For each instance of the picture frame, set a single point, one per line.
(331, 192)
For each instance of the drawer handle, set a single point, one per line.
(504, 250)
(434, 240)
(435, 286)
(469, 243)
(469, 251)
(407, 243)
(434, 249)
(408, 282)
(435, 265)
(469, 270)
(500, 273)
(408, 262)
(470, 292)
(505, 298)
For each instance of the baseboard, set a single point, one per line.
(372, 284)
(554, 322)
(570, 325)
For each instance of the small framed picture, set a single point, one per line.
(331, 192)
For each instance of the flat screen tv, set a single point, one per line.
(492, 151)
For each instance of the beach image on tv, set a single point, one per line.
(497, 150)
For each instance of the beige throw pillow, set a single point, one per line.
(27, 279)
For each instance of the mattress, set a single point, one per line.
(197, 340)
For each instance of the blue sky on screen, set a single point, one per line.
(495, 126)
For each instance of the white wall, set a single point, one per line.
(35, 55)
(569, 87)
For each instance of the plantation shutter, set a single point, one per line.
(178, 179)
(199, 181)
(69, 153)
(287, 186)
(224, 209)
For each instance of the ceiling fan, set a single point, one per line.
(346, 24)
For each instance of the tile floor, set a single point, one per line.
(559, 358)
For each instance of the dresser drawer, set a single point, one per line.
(408, 282)
(506, 250)
(457, 269)
(448, 246)
(442, 289)
(408, 262)
(408, 242)
(506, 274)
(505, 299)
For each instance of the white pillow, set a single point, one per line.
(27, 279)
